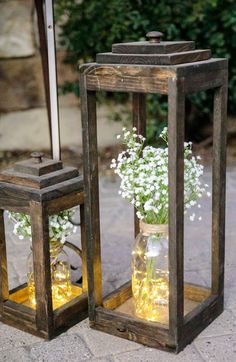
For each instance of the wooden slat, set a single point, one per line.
(218, 188)
(146, 47)
(71, 313)
(204, 81)
(88, 109)
(38, 182)
(124, 78)
(118, 297)
(139, 121)
(213, 64)
(154, 59)
(42, 272)
(176, 115)
(198, 319)
(20, 311)
(3, 263)
(65, 202)
(195, 292)
(134, 329)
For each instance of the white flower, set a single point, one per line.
(192, 217)
(118, 136)
(208, 194)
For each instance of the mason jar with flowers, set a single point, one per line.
(60, 226)
(143, 170)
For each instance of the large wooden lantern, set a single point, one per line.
(39, 188)
(174, 69)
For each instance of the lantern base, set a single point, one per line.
(117, 317)
(16, 311)
(21, 296)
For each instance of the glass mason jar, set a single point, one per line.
(60, 275)
(150, 272)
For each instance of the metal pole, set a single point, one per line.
(53, 80)
(44, 59)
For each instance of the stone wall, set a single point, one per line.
(21, 78)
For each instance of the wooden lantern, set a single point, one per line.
(40, 187)
(174, 69)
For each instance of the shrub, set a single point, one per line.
(91, 26)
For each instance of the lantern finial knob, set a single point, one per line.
(154, 36)
(38, 156)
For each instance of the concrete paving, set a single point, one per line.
(216, 343)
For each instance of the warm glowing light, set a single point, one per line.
(150, 294)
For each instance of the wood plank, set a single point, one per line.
(118, 297)
(3, 264)
(20, 311)
(139, 121)
(218, 187)
(195, 292)
(38, 182)
(134, 329)
(204, 81)
(13, 197)
(124, 78)
(71, 313)
(210, 65)
(176, 115)
(89, 124)
(197, 320)
(66, 202)
(23, 325)
(154, 59)
(42, 272)
(145, 47)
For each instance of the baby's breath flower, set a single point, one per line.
(144, 177)
(60, 225)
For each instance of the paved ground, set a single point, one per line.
(217, 343)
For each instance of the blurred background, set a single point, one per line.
(83, 29)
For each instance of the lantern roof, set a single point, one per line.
(38, 172)
(154, 51)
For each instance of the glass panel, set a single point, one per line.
(143, 171)
(198, 212)
(18, 243)
(60, 229)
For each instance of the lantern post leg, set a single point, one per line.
(176, 115)
(4, 291)
(42, 272)
(139, 121)
(92, 219)
(218, 187)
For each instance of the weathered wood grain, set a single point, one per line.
(89, 123)
(38, 182)
(218, 187)
(65, 202)
(176, 120)
(42, 271)
(145, 47)
(118, 297)
(154, 59)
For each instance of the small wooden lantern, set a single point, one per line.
(40, 187)
(175, 69)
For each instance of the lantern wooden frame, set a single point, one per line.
(175, 81)
(55, 188)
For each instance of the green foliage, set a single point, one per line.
(92, 26)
